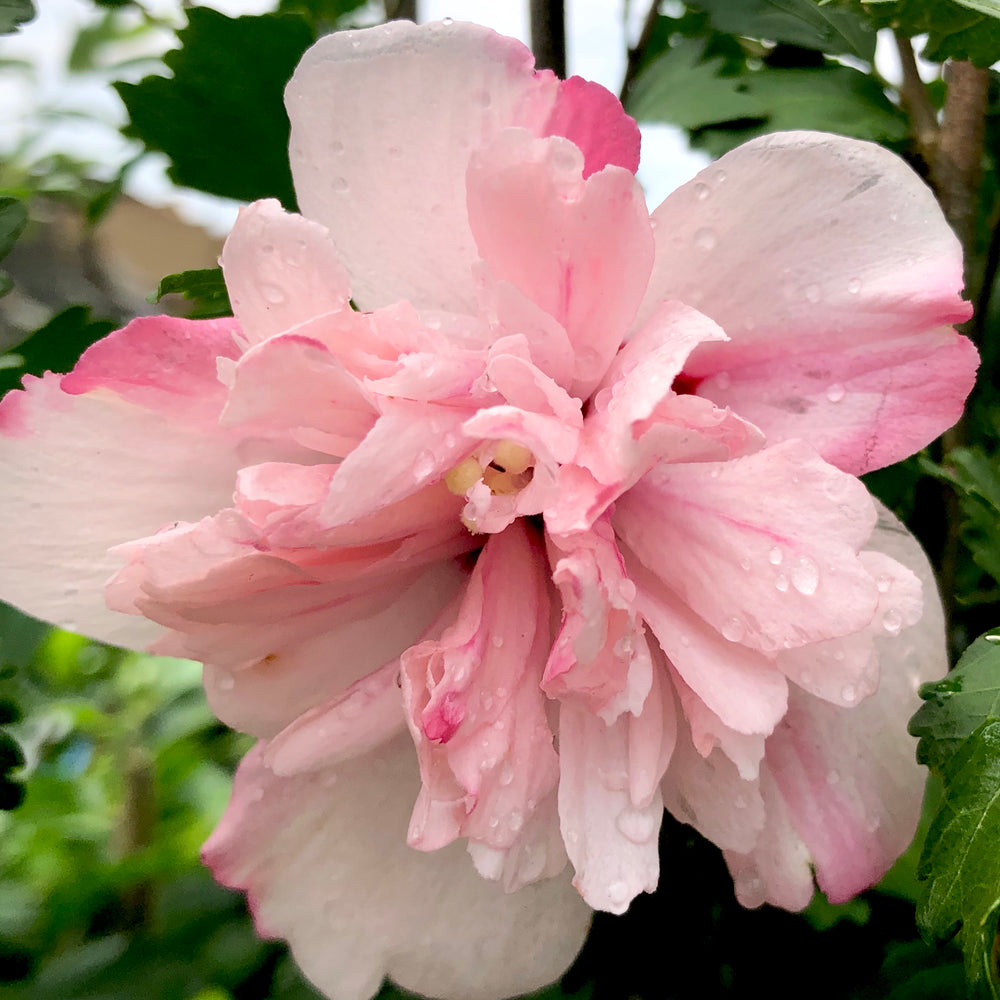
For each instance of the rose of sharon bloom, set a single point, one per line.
(559, 528)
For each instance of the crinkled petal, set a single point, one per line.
(122, 452)
(763, 548)
(798, 240)
(281, 270)
(324, 860)
(580, 249)
(383, 123)
(848, 775)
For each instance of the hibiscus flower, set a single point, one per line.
(559, 527)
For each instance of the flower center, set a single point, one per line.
(506, 467)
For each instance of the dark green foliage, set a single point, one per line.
(954, 30)
(221, 117)
(206, 288)
(14, 13)
(723, 108)
(54, 347)
(959, 730)
(828, 27)
(323, 15)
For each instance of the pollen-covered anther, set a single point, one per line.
(463, 476)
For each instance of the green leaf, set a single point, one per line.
(14, 13)
(990, 7)
(324, 15)
(221, 117)
(954, 30)
(680, 88)
(961, 860)
(205, 287)
(54, 347)
(827, 28)
(957, 705)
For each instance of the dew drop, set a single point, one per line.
(341, 185)
(714, 473)
(618, 893)
(424, 465)
(257, 794)
(226, 682)
(854, 286)
(272, 294)
(516, 821)
(506, 775)
(833, 778)
(745, 564)
(497, 641)
(337, 147)
(356, 43)
(750, 889)
(892, 621)
(685, 641)
(733, 630)
(740, 802)
(705, 240)
(394, 152)
(720, 176)
(775, 556)
(702, 191)
(494, 822)
(839, 655)
(849, 694)
(637, 825)
(813, 293)
(723, 380)
(883, 583)
(805, 576)
(781, 582)
(836, 392)
(448, 22)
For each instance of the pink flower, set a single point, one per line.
(570, 507)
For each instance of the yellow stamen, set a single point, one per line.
(466, 474)
(509, 456)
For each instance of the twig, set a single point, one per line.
(636, 52)
(548, 35)
(917, 102)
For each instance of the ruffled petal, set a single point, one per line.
(828, 263)
(281, 270)
(580, 249)
(763, 548)
(383, 123)
(848, 775)
(126, 444)
(324, 860)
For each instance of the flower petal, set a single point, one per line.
(281, 270)
(123, 446)
(802, 239)
(848, 775)
(580, 249)
(324, 859)
(383, 122)
(763, 548)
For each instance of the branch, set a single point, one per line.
(917, 102)
(636, 53)
(548, 35)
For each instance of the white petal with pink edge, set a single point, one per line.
(798, 239)
(324, 860)
(133, 447)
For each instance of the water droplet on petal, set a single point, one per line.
(723, 380)
(781, 582)
(272, 294)
(745, 564)
(705, 240)
(516, 821)
(702, 191)
(637, 825)
(685, 641)
(892, 621)
(497, 641)
(775, 556)
(337, 147)
(836, 392)
(720, 176)
(225, 682)
(883, 583)
(618, 893)
(424, 465)
(506, 775)
(750, 887)
(813, 293)
(849, 694)
(854, 286)
(833, 778)
(733, 630)
(448, 22)
(341, 185)
(805, 576)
